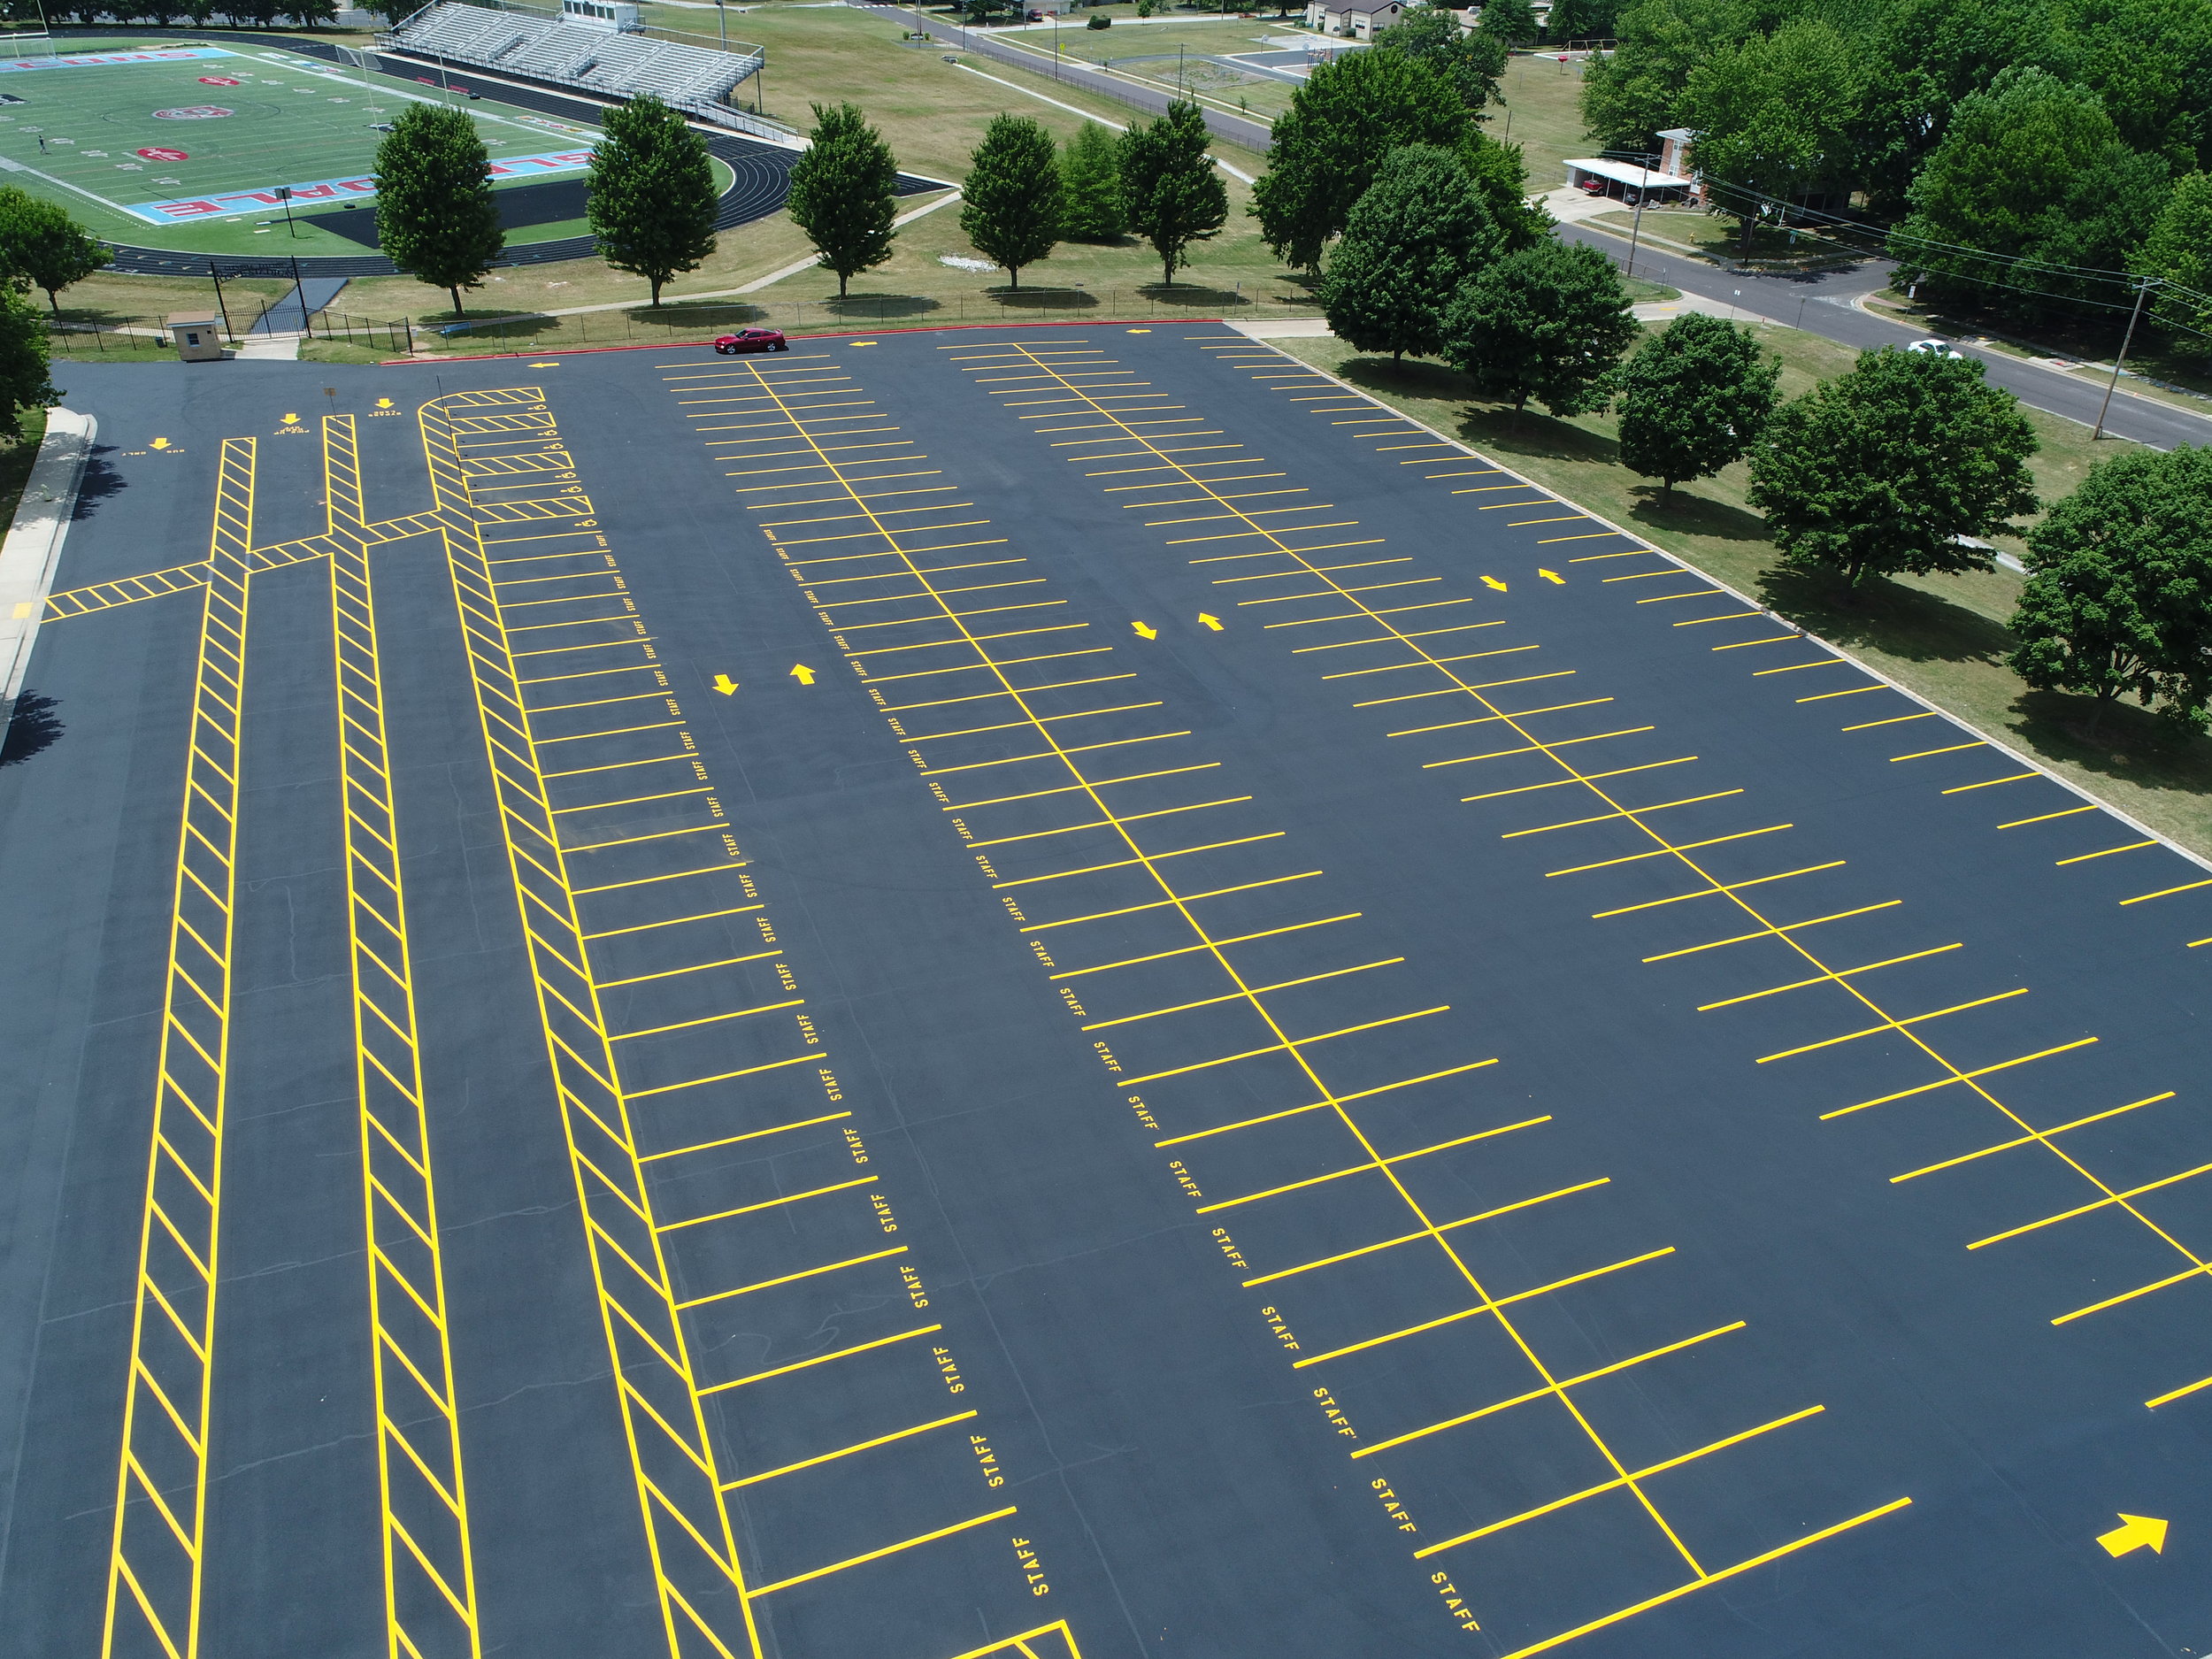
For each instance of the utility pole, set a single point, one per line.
(1636, 230)
(722, 18)
(2142, 287)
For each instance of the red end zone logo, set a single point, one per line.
(165, 155)
(194, 112)
(218, 80)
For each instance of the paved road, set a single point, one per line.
(1251, 135)
(1821, 303)
(1083, 1099)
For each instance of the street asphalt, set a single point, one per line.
(1078, 995)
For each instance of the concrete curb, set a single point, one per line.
(33, 547)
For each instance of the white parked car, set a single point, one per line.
(1934, 349)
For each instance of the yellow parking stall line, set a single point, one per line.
(750, 1134)
(1447, 1227)
(1184, 950)
(1853, 691)
(618, 731)
(1016, 760)
(1893, 1024)
(1258, 990)
(1661, 599)
(1718, 888)
(1775, 639)
(1675, 1461)
(1495, 1407)
(2013, 777)
(767, 1203)
(1292, 1044)
(2107, 852)
(1618, 771)
(1661, 852)
(889, 1549)
(2083, 1209)
(629, 840)
(1373, 1166)
(724, 1077)
(647, 881)
(1704, 1578)
(1032, 795)
(621, 766)
(1529, 748)
(2186, 887)
(2044, 817)
(1565, 519)
(822, 1359)
(847, 1451)
(1124, 817)
(1322, 1105)
(1426, 662)
(1729, 616)
(969, 668)
(2167, 1283)
(1922, 754)
(1589, 535)
(1961, 1076)
(1828, 977)
(1894, 719)
(704, 1019)
(793, 1279)
(2034, 1137)
(1392, 639)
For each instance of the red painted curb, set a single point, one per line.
(680, 345)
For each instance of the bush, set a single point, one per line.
(1100, 20)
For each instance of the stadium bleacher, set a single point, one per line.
(594, 60)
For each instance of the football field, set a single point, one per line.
(175, 145)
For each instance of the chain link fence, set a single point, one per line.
(147, 338)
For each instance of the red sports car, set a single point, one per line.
(752, 340)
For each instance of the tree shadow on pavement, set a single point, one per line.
(32, 727)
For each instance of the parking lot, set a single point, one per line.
(1053, 991)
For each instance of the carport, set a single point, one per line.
(1618, 178)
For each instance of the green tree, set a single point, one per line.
(1090, 185)
(24, 382)
(2151, 62)
(1169, 189)
(1549, 322)
(1470, 59)
(1775, 116)
(2180, 251)
(652, 199)
(1417, 234)
(842, 192)
(1694, 399)
(40, 245)
(1513, 21)
(1012, 210)
(435, 219)
(1633, 94)
(1883, 469)
(1925, 57)
(1500, 176)
(2119, 595)
(2031, 179)
(1582, 19)
(1349, 114)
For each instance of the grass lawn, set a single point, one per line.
(1722, 239)
(1543, 99)
(15, 461)
(1945, 637)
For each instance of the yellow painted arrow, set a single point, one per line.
(2133, 1533)
(160, 443)
(801, 672)
(1553, 576)
(1145, 630)
(723, 684)
(1212, 622)
(1491, 581)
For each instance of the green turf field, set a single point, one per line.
(242, 119)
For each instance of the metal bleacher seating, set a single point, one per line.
(593, 60)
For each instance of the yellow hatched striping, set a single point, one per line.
(128, 590)
(157, 1559)
(699, 1582)
(428, 1563)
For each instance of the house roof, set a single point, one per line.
(1368, 6)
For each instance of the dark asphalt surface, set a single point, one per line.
(1316, 849)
